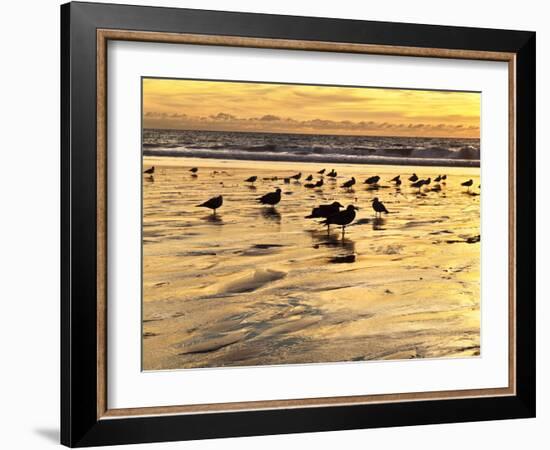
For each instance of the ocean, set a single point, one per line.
(417, 151)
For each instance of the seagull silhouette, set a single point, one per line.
(214, 203)
(193, 169)
(272, 198)
(342, 218)
(420, 183)
(372, 180)
(251, 179)
(309, 178)
(378, 207)
(317, 184)
(413, 178)
(348, 184)
(324, 211)
(150, 171)
(321, 172)
(297, 176)
(467, 184)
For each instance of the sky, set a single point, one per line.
(291, 108)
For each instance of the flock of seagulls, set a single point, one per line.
(333, 213)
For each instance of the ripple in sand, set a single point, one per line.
(262, 249)
(252, 281)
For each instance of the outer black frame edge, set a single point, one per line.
(79, 426)
(65, 227)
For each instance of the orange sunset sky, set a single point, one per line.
(281, 108)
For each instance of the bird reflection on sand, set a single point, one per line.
(215, 219)
(271, 213)
(378, 224)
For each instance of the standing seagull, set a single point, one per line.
(378, 207)
(418, 184)
(193, 169)
(468, 184)
(324, 211)
(342, 218)
(413, 178)
(314, 185)
(332, 174)
(297, 176)
(372, 180)
(251, 179)
(309, 178)
(150, 171)
(321, 172)
(214, 203)
(271, 198)
(437, 179)
(348, 184)
(396, 179)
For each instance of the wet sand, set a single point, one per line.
(253, 285)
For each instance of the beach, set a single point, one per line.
(253, 285)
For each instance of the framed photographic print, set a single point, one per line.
(277, 224)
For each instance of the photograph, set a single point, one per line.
(299, 224)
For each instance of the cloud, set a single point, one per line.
(223, 121)
(270, 118)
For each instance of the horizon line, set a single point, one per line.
(313, 134)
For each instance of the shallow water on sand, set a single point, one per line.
(253, 285)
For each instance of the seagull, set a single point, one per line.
(444, 177)
(396, 179)
(297, 176)
(314, 185)
(309, 178)
(468, 184)
(348, 184)
(342, 218)
(378, 206)
(193, 169)
(332, 174)
(398, 182)
(150, 171)
(321, 172)
(271, 198)
(372, 180)
(214, 203)
(420, 183)
(413, 178)
(437, 179)
(324, 211)
(251, 179)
